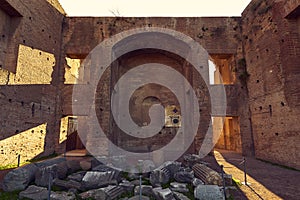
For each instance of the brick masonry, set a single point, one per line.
(263, 44)
(272, 50)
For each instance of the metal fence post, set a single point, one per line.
(224, 186)
(19, 159)
(140, 187)
(245, 174)
(49, 185)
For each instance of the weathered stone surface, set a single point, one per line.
(137, 197)
(18, 179)
(85, 165)
(159, 176)
(113, 191)
(179, 187)
(93, 180)
(49, 162)
(146, 166)
(132, 175)
(34, 192)
(98, 161)
(163, 194)
(73, 166)
(78, 176)
(109, 192)
(196, 182)
(191, 159)
(135, 182)
(173, 167)
(185, 176)
(147, 190)
(228, 179)
(102, 168)
(43, 175)
(119, 161)
(62, 196)
(208, 192)
(67, 184)
(207, 175)
(127, 186)
(95, 194)
(62, 170)
(179, 196)
(73, 190)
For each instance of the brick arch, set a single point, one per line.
(129, 36)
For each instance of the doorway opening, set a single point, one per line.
(73, 141)
(229, 129)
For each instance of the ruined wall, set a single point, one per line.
(272, 51)
(219, 36)
(35, 91)
(57, 5)
(29, 62)
(143, 98)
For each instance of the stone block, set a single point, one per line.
(147, 190)
(19, 178)
(43, 174)
(34, 192)
(179, 187)
(67, 184)
(93, 180)
(208, 192)
(163, 194)
(186, 176)
(160, 176)
(62, 196)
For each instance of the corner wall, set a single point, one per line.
(218, 35)
(29, 98)
(272, 51)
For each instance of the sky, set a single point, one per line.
(163, 8)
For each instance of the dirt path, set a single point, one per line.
(266, 181)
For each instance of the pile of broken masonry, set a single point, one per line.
(91, 179)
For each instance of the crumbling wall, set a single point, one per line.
(272, 50)
(264, 47)
(219, 36)
(30, 104)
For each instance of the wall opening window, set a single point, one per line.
(75, 70)
(69, 134)
(221, 69)
(229, 130)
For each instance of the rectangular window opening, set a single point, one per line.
(222, 69)
(226, 130)
(76, 72)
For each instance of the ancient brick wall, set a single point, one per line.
(272, 51)
(29, 63)
(219, 36)
(36, 93)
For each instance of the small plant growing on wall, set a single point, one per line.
(242, 68)
(244, 77)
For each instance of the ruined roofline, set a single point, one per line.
(157, 17)
(56, 4)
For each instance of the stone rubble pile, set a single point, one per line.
(92, 179)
